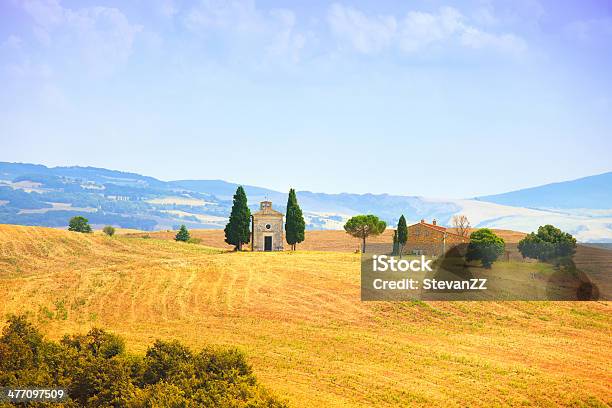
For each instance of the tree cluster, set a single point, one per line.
(549, 243)
(95, 371)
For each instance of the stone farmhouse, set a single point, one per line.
(267, 229)
(431, 239)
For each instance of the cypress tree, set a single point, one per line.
(237, 229)
(402, 234)
(294, 221)
(395, 243)
(182, 235)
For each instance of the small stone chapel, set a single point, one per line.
(267, 229)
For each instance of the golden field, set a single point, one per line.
(299, 319)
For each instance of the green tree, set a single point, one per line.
(167, 360)
(97, 342)
(96, 372)
(362, 226)
(109, 230)
(182, 235)
(395, 243)
(237, 229)
(402, 234)
(79, 224)
(485, 247)
(548, 244)
(294, 221)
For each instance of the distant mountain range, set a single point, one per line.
(593, 192)
(33, 194)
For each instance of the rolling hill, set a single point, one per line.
(37, 195)
(593, 192)
(299, 318)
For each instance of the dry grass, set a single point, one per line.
(328, 240)
(299, 319)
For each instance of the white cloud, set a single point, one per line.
(366, 34)
(236, 15)
(475, 38)
(271, 33)
(286, 40)
(103, 36)
(419, 29)
(370, 34)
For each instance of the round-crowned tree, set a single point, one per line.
(547, 244)
(362, 226)
(79, 224)
(485, 247)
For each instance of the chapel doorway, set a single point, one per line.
(267, 243)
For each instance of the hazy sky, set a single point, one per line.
(434, 98)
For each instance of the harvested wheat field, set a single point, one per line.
(299, 319)
(329, 240)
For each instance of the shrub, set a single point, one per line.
(485, 247)
(79, 224)
(97, 343)
(95, 371)
(167, 361)
(182, 235)
(109, 230)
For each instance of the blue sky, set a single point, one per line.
(433, 98)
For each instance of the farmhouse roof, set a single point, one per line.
(438, 228)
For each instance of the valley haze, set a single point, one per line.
(32, 194)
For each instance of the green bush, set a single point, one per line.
(96, 371)
(109, 230)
